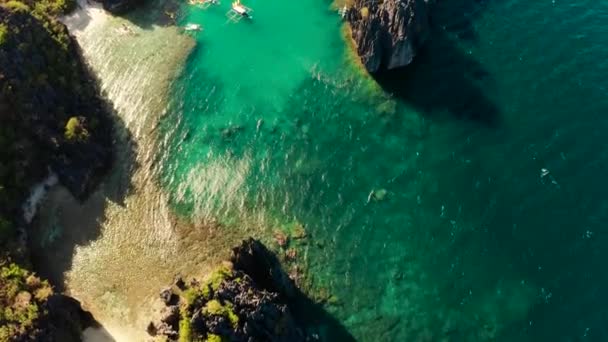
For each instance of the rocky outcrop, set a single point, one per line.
(388, 33)
(254, 259)
(245, 300)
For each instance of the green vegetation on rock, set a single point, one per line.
(185, 330)
(215, 338)
(230, 305)
(17, 6)
(218, 276)
(3, 33)
(75, 130)
(214, 307)
(22, 300)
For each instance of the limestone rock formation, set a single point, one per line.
(245, 300)
(388, 33)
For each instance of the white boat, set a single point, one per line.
(192, 27)
(239, 11)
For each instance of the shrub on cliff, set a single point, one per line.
(22, 299)
(75, 129)
(17, 6)
(3, 33)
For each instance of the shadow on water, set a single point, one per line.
(53, 246)
(458, 19)
(444, 78)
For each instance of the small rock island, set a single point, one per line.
(246, 299)
(387, 34)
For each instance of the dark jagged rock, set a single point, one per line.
(180, 283)
(253, 258)
(244, 301)
(167, 296)
(120, 6)
(250, 299)
(388, 33)
(170, 315)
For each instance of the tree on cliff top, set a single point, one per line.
(75, 129)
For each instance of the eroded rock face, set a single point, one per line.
(388, 33)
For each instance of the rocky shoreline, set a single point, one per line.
(387, 34)
(246, 299)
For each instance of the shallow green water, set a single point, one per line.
(473, 240)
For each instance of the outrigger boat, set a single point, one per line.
(239, 11)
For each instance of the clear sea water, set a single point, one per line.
(465, 200)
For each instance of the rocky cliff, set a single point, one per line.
(245, 300)
(388, 33)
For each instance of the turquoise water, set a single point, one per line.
(489, 150)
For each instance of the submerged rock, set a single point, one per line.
(388, 33)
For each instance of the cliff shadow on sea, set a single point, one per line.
(53, 244)
(444, 77)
